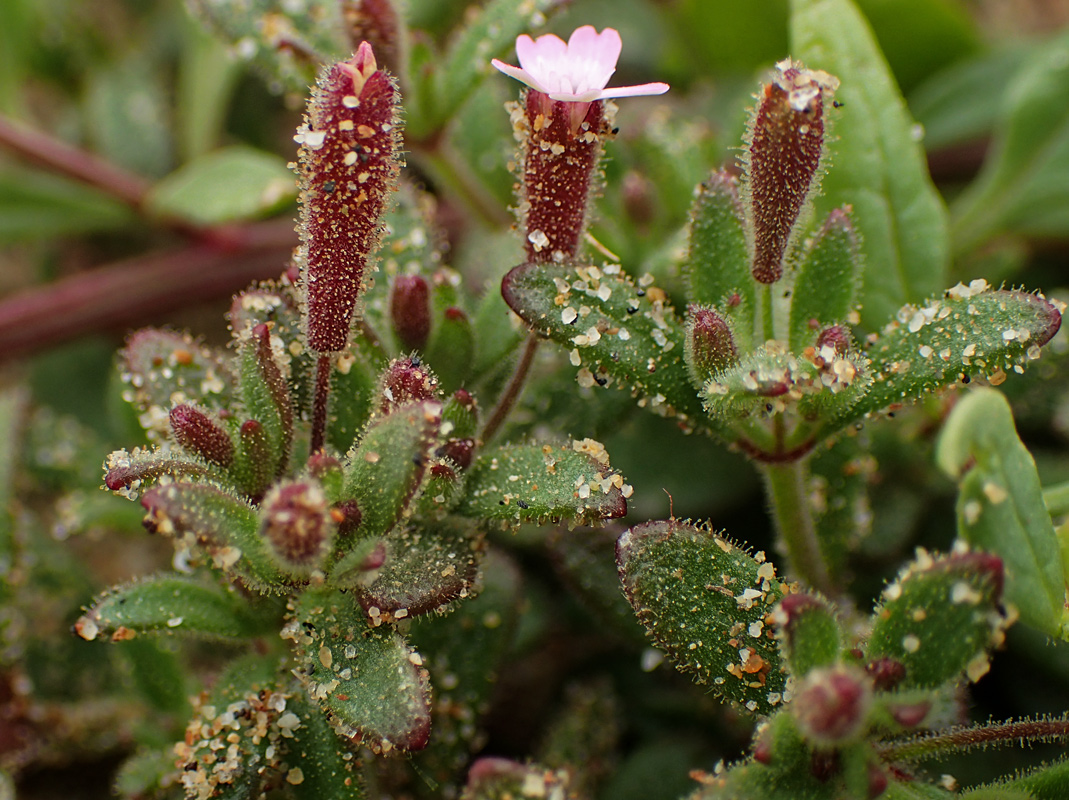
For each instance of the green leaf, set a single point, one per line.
(384, 473)
(367, 679)
(717, 264)
(157, 674)
(425, 568)
(616, 331)
(285, 41)
(829, 271)
(320, 766)
(1001, 509)
(808, 631)
(969, 332)
(34, 205)
(487, 32)
(208, 72)
(939, 618)
(227, 527)
(1047, 782)
(169, 604)
(538, 483)
(463, 653)
(878, 166)
(705, 601)
(964, 103)
(229, 185)
(157, 365)
(1022, 185)
(266, 395)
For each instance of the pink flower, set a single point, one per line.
(576, 72)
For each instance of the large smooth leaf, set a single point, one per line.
(1001, 509)
(878, 165)
(34, 205)
(228, 185)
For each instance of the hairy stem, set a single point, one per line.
(513, 390)
(960, 739)
(320, 403)
(786, 484)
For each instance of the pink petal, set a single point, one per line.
(519, 74)
(547, 47)
(634, 91)
(601, 48)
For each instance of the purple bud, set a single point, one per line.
(198, 433)
(296, 524)
(831, 704)
(406, 381)
(347, 516)
(410, 310)
(459, 451)
(710, 347)
(349, 164)
(835, 337)
(786, 142)
(886, 673)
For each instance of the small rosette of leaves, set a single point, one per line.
(939, 618)
(707, 603)
(371, 684)
(539, 483)
(616, 330)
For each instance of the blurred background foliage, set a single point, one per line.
(180, 150)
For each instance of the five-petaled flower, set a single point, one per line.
(576, 72)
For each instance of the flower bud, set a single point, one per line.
(198, 433)
(349, 162)
(782, 158)
(410, 310)
(405, 381)
(710, 347)
(831, 704)
(297, 525)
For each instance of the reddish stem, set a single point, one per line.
(513, 390)
(140, 289)
(319, 403)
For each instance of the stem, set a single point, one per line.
(766, 324)
(979, 736)
(137, 291)
(319, 403)
(786, 484)
(445, 169)
(512, 392)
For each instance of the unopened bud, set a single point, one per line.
(786, 142)
(710, 347)
(831, 704)
(836, 337)
(297, 525)
(407, 380)
(410, 310)
(349, 162)
(198, 433)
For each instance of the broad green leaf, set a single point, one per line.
(1022, 185)
(208, 72)
(320, 766)
(168, 604)
(939, 618)
(964, 102)
(970, 331)
(1001, 509)
(878, 166)
(705, 601)
(539, 483)
(618, 332)
(34, 205)
(230, 185)
(367, 679)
